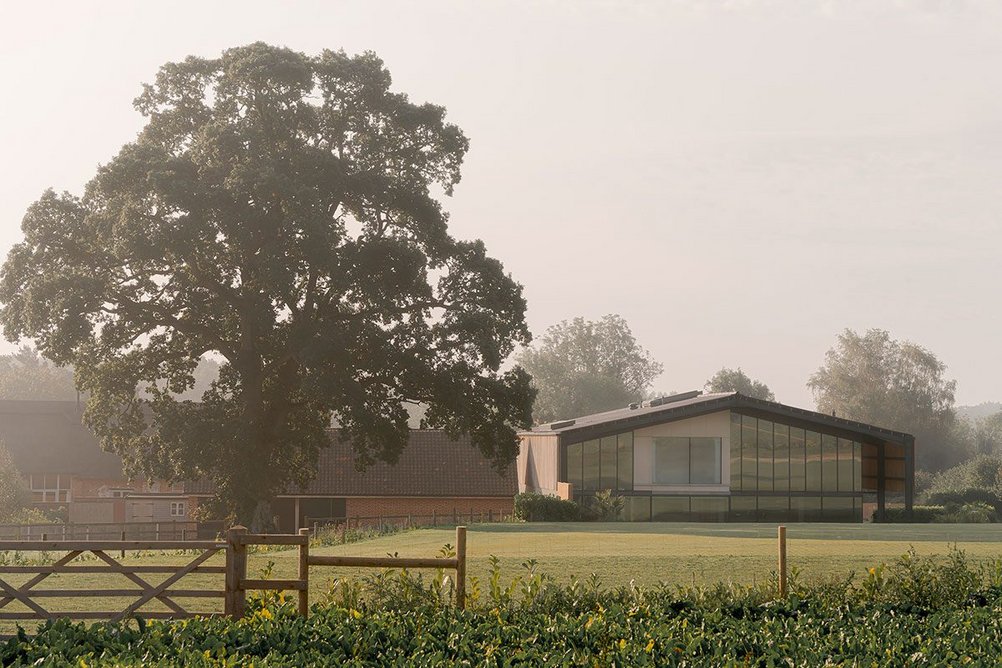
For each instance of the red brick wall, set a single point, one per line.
(426, 507)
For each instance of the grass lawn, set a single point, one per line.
(678, 553)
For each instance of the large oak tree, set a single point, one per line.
(278, 211)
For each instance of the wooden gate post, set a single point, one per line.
(236, 570)
(304, 573)
(781, 535)
(461, 567)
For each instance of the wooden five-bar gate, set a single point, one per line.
(235, 583)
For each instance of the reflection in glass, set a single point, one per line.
(857, 467)
(665, 508)
(798, 460)
(749, 453)
(607, 473)
(704, 461)
(829, 465)
(590, 465)
(781, 458)
(805, 508)
(844, 465)
(735, 453)
(708, 508)
(671, 460)
(765, 455)
(744, 508)
(574, 465)
(813, 440)
(625, 446)
(638, 508)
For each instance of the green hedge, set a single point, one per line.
(919, 515)
(532, 507)
(915, 611)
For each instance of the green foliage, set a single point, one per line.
(969, 513)
(893, 384)
(736, 380)
(981, 472)
(935, 611)
(26, 375)
(532, 507)
(607, 505)
(582, 367)
(919, 515)
(276, 213)
(15, 498)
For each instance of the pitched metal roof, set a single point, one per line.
(692, 404)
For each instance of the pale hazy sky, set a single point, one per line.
(740, 180)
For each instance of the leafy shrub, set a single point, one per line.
(969, 513)
(607, 506)
(982, 472)
(960, 497)
(919, 515)
(532, 507)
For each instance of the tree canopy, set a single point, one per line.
(894, 384)
(583, 366)
(277, 212)
(736, 380)
(27, 375)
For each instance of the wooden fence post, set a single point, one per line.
(122, 555)
(236, 570)
(461, 567)
(304, 573)
(782, 561)
(434, 518)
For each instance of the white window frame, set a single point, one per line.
(50, 494)
(178, 508)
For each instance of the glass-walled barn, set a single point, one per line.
(761, 467)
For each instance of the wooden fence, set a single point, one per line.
(172, 530)
(234, 587)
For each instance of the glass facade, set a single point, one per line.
(778, 472)
(598, 464)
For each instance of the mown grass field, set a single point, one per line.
(617, 553)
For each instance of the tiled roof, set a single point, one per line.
(432, 464)
(49, 437)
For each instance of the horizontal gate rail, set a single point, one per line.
(142, 593)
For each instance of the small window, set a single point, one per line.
(177, 509)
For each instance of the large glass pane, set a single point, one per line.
(607, 475)
(857, 467)
(590, 465)
(805, 508)
(798, 460)
(625, 446)
(671, 460)
(708, 508)
(743, 508)
(844, 465)
(773, 508)
(838, 509)
(781, 458)
(749, 453)
(666, 508)
(764, 455)
(574, 465)
(829, 463)
(813, 441)
(735, 453)
(704, 461)
(638, 509)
